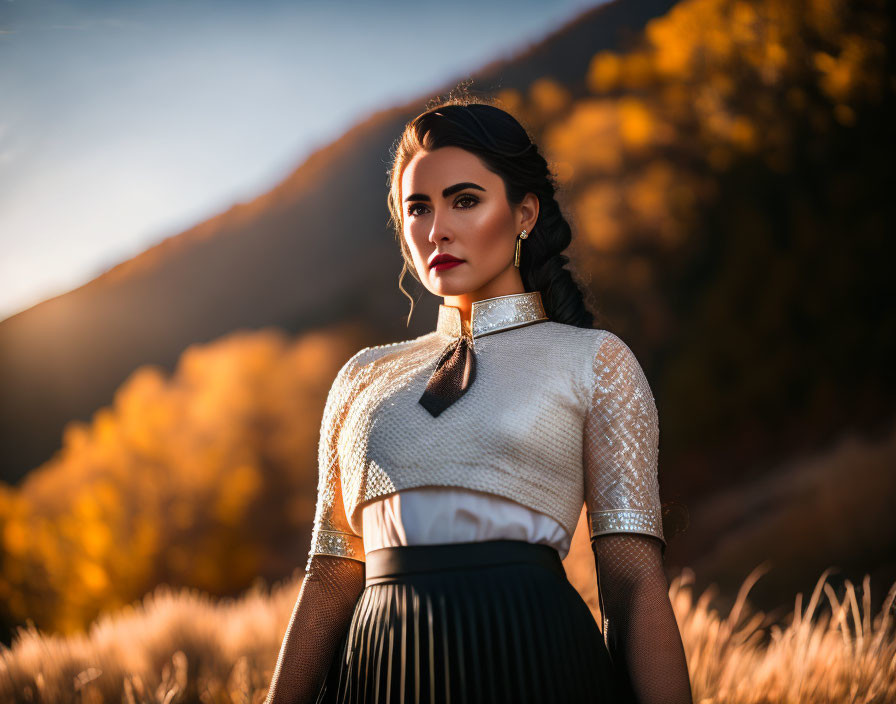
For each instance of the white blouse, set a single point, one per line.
(558, 417)
(434, 514)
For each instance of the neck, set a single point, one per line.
(509, 282)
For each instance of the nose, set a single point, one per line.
(440, 230)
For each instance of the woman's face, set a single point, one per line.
(452, 204)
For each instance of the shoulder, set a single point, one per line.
(365, 358)
(579, 353)
(616, 369)
(587, 338)
(610, 349)
(605, 359)
(592, 345)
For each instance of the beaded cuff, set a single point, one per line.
(625, 520)
(332, 542)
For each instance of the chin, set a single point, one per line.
(440, 285)
(448, 290)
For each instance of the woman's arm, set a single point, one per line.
(322, 613)
(620, 458)
(334, 573)
(639, 624)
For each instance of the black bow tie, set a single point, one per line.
(454, 374)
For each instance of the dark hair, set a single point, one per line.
(505, 148)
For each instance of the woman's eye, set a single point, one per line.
(468, 199)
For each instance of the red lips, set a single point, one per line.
(443, 259)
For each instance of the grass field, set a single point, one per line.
(185, 647)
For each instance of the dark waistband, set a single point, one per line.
(387, 563)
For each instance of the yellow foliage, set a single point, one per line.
(637, 71)
(181, 513)
(236, 490)
(86, 504)
(598, 217)
(743, 134)
(15, 536)
(510, 100)
(168, 482)
(97, 539)
(666, 36)
(105, 430)
(563, 171)
(844, 114)
(588, 139)
(145, 539)
(548, 97)
(710, 41)
(714, 82)
(636, 122)
(647, 195)
(823, 16)
(93, 577)
(604, 72)
(76, 436)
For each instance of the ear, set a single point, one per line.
(527, 212)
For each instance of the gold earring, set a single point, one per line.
(516, 257)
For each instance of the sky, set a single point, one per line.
(123, 123)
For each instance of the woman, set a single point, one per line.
(454, 466)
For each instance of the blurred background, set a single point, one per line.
(194, 230)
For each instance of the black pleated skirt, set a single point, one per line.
(493, 621)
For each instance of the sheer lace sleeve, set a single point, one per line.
(620, 451)
(320, 619)
(331, 533)
(639, 624)
(334, 573)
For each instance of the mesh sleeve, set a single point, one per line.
(331, 533)
(321, 616)
(639, 624)
(334, 574)
(620, 446)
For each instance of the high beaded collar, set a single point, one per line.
(491, 315)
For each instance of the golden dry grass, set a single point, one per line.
(184, 647)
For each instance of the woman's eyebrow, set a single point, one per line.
(447, 192)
